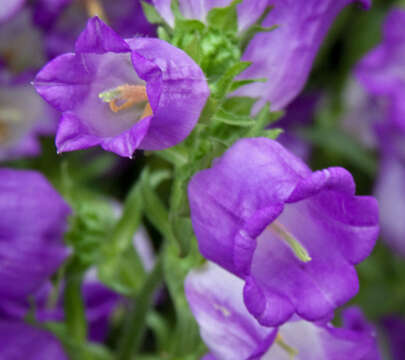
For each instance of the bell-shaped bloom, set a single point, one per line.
(285, 55)
(22, 341)
(248, 10)
(293, 235)
(382, 70)
(122, 94)
(9, 8)
(31, 232)
(232, 333)
(23, 117)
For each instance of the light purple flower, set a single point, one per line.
(284, 56)
(230, 332)
(23, 117)
(382, 71)
(257, 203)
(31, 232)
(152, 103)
(9, 8)
(21, 341)
(248, 11)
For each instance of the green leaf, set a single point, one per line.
(233, 119)
(151, 13)
(223, 85)
(239, 83)
(185, 338)
(120, 267)
(224, 19)
(239, 104)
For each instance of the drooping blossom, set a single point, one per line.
(293, 235)
(23, 117)
(285, 55)
(32, 224)
(122, 94)
(248, 10)
(381, 71)
(231, 332)
(9, 8)
(22, 341)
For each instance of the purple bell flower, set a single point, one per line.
(31, 232)
(22, 341)
(285, 55)
(230, 332)
(381, 71)
(122, 94)
(293, 235)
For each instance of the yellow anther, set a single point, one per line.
(126, 96)
(94, 8)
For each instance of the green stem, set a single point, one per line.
(134, 326)
(74, 308)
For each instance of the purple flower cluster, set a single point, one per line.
(281, 242)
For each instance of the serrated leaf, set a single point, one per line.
(241, 105)
(239, 83)
(270, 133)
(163, 34)
(233, 119)
(224, 19)
(151, 13)
(223, 85)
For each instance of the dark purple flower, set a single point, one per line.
(394, 327)
(382, 71)
(230, 332)
(31, 232)
(9, 8)
(21, 341)
(152, 103)
(285, 55)
(248, 11)
(293, 235)
(23, 116)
